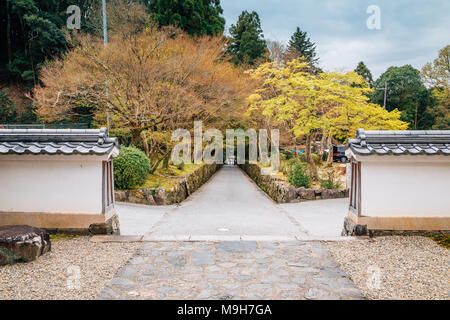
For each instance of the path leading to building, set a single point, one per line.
(231, 270)
(229, 240)
(228, 207)
(231, 207)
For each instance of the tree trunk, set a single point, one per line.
(330, 151)
(322, 146)
(8, 34)
(166, 162)
(136, 136)
(309, 158)
(308, 148)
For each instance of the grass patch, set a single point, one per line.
(441, 239)
(60, 236)
(169, 177)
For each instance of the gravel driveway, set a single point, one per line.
(55, 275)
(408, 267)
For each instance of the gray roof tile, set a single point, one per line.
(56, 141)
(413, 142)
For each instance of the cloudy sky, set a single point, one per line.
(412, 31)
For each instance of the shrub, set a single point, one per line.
(299, 176)
(286, 165)
(131, 168)
(330, 182)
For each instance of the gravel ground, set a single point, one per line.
(409, 267)
(48, 277)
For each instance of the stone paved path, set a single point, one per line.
(231, 270)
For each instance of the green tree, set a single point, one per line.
(196, 17)
(247, 44)
(8, 112)
(301, 45)
(437, 76)
(32, 35)
(364, 72)
(406, 92)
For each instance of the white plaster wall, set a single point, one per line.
(61, 186)
(405, 188)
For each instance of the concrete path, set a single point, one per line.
(231, 270)
(228, 207)
(322, 219)
(136, 219)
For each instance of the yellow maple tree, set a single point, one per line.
(328, 104)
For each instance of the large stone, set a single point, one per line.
(332, 194)
(111, 226)
(120, 196)
(306, 194)
(353, 229)
(160, 196)
(291, 194)
(22, 243)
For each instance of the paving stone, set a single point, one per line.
(206, 294)
(212, 269)
(238, 246)
(259, 286)
(138, 260)
(288, 286)
(230, 270)
(319, 294)
(300, 281)
(243, 278)
(106, 293)
(280, 272)
(201, 258)
(167, 290)
(127, 272)
(177, 261)
(227, 264)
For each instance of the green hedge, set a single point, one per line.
(131, 168)
(299, 176)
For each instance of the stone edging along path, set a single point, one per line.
(282, 191)
(162, 196)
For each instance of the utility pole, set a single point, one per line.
(385, 93)
(105, 42)
(105, 29)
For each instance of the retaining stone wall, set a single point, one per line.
(280, 190)
(160, 196)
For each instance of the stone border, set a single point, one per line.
(161, 196)
(280, 190)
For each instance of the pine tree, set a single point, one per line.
(364, 72)
(301, 45)
(196, 17)
(247, 44)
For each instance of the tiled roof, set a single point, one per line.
(56, 141)
(413, 142)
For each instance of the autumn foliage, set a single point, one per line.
(151, 83)
(311, 106)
